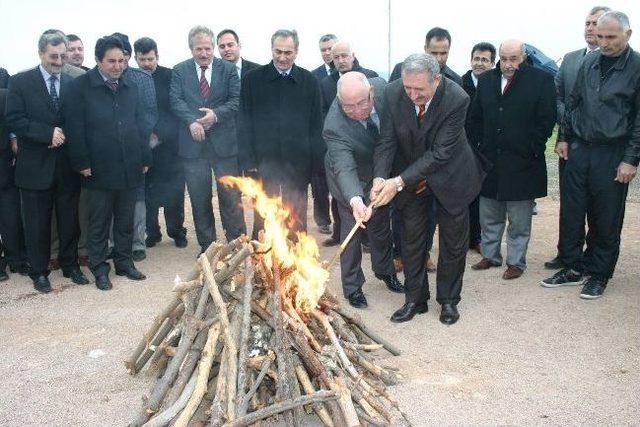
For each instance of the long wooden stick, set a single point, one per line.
(346, 241)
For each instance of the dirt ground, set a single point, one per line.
(520, 354)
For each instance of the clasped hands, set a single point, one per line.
(384, 190)
(57, 139)
(204, 123)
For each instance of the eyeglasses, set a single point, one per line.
(481, 59)
(364, 104)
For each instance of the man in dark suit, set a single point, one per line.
(424, 149)
(437, 43)
(229, 48)
(281, 131)
(350, 131)
(12, 250)
(344, 61)
(43, 172)
(483, 58)
(319, 189)
(565, 80)
(164, 182)
(325, 44)
(511, 118)
(108, 147)
(205, 95)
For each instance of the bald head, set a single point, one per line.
(512, 54)
(342, 56)
(355, 95)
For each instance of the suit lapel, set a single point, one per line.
(38, 82)
(194, 77)
(430, 116)
(216, 76)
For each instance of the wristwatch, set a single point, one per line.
(399, 185)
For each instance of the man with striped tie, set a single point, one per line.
(205, 96)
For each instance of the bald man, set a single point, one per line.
(511, 118)
(351, 129)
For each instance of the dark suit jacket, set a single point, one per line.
(166, 153)
(321, 72)
(246, 67)
(512, 131)
(224, 100)
(446, 71)
(328, 85)
(437, 151)
(6, 155)
(4, 78)
(467, 84)
(566, 78)
(104, 133)
(349, 158)
(281, 126)
(32, 116)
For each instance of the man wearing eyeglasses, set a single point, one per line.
(351, 130)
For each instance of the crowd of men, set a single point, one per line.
(88, 156)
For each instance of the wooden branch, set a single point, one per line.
(346, 363)
(229, 344)
(167, 326)
(244, 337)
(164, 418)
(244, 402)
(287, 405)
(308, 388)
(203, 377)
(389, 378)
(370, 420)
(346, 402)
(375, 337)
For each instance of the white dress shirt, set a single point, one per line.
(207, 72)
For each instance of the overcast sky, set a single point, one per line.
(554, 26)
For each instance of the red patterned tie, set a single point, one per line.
(508, 85)
(421, 112)
(204, 84)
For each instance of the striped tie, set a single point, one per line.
(53, 92)
(421, 112)
(204, 84)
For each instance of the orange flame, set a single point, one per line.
(303, 274)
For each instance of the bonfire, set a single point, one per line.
(253, 333)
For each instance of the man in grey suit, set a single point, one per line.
(205, 95)
(351, 130)
(423, 151)
(565, 80)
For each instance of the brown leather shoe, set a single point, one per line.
(512, 272)
(397, 264)
(484, 264)
(430, 266)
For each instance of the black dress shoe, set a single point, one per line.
(330, 242)
(554, 264)
(392, 282)
(325, 229)
(449, 314)
(181, 242)
(22, 268)
(138, 255)
(151, 241)
(358, 300)
(407, 311)
(76, 276)
(103, 283)
(131, 273)
(41, 284)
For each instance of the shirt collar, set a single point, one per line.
(474, 79)
(46, 75)
(426, 106)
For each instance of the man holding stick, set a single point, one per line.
(351, 131)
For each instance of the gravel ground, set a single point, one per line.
(520, 354)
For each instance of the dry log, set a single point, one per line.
(342, 329)
(375, 337)
(346, 402)
(243, 404)
(164, 418)
(244, 337)
(167, 326)
(277, 408)
(371, 421)
(346, 363)
(203, 377)
(359, 398)
(308, 388)
(389, 378)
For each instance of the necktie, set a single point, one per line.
(421, 112)
(508, 85)
(372, 129)
(53, 92)
(112, 84)
(204, 84)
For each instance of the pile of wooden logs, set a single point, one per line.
(230, 349)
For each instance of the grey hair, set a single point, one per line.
(53, 38)
(199, 29)
(285, 34)
(421, 63)
(359, 76)
(327, 37)
(620, 17)
(523, 48)
(597, 9)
